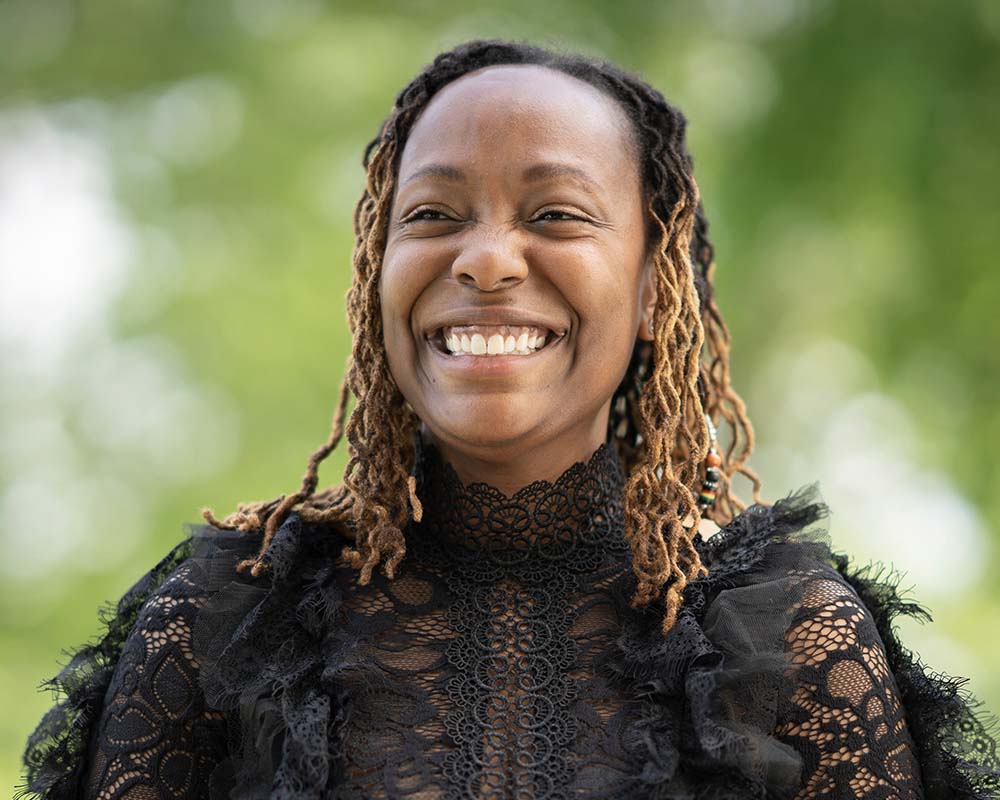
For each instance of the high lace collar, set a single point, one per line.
(582, 509)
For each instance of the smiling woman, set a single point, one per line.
(521, 589)
(519, 206)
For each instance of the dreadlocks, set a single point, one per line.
(657, 413)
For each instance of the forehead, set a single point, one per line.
(521, 113)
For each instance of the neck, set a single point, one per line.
(578, 509)
(512, 465)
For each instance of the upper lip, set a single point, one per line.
(492, 316)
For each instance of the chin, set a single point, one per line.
(474, 429)
(476, 435)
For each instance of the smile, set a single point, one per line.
(491, 340)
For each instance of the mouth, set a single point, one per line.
(491, 341)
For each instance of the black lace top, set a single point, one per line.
(505, 662)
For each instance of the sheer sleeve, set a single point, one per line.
(155, 737)
(845, 715)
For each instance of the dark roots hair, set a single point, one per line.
(657, 413)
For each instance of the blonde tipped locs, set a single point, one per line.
(658, 423)
(379, 431)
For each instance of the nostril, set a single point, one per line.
(477, 283)
(512, 280)
(489, 268)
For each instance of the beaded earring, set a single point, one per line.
(712, 462)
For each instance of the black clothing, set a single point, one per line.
(505, 661)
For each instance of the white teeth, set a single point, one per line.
(501, 340)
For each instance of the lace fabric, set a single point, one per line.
(56, 755)
(516, 647)
(505, 661)
(156, 738)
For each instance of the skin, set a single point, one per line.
(474, 233)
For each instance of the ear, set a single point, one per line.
(647, 301)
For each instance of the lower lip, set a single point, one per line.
(497, 366)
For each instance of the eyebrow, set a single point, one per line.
(440, 171)
(548, 170)
(536, 173)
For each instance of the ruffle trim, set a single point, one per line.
(271, 653)
(955, 735)
(56, 753)
(711, 687)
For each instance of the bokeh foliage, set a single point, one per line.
(847, 155)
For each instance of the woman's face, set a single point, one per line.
(518, 214)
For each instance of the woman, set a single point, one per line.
(511, 595)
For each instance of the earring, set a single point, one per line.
(712, 462)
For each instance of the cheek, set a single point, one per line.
(390, 285)
(605, 293)
(396, 302)
(408, 268)
(399, 287)
(608, 303)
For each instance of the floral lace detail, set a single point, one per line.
(131, 717)
(845, 714)
(513, 565)
(155, 738)
(567, 522)
(503, 610)
(955, 738)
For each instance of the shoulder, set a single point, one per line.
(865, 708)
(147, 614)
(165, 658)
(797, 647)
(775, 583)
(789, 594)
(156, 730)
(159, 643)
(834, 638)
(761, 537)
(776, 565)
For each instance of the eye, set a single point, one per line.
(426, 215)
(557, 215)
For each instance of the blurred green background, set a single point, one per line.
(176, 186)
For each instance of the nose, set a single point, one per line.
(490, 260)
